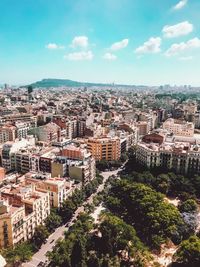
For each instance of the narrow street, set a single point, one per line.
(40, 256)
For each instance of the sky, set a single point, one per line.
(148, 42)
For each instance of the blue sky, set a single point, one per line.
(149, 42)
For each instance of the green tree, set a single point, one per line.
(189, 252)
(93, 260)
(40, 235)
(154, 219)
(162, 183)
(21, 253)
(188, 206)
(53, 221)
(78, 197)
(24, 251)
(78, 255)
(67, 209)
(118, 236)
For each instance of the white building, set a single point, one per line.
(178, 127)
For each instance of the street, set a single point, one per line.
(40, 256)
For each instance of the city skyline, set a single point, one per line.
(126, 42)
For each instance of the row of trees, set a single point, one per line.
(79, 196)
(170, 184)
(113, 244)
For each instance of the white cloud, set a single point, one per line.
(151, 46)
(119, 45)
(177, 30)
(53, 46)
(110, 56)
(176, 49)
(180, 4)
(77, 56)
(186, 58)
(80, 41)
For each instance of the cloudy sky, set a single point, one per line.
(149, 42)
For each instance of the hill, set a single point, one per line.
(68, 83)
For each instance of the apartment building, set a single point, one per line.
(23, 156)
(84, 172)
(79, 170)
(104, 148)
(178, 127)
(22, 129)
(9, 150)
(48, 133)
(20, 117)
(73, 126)
(22, 209)
(180, 157)
(7, 133)
(74, 152)
(151, 118)
(59, 189)
(143, 127)
(11, 224)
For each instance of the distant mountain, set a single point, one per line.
(68, 83)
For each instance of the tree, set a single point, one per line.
(77, 197)
(67, 209)
(24, 251)
(189, 206)
(118, 236)
(53, 221)
(88, 189)
(124, 157)
(71, 251)
(154, 219)
(40, 235)
(93, 260)
(189, 252)
(21, 253)
(78, 255)
(162, 183)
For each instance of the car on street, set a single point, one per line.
(41, 264)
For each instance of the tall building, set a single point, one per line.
(7, 133)
(104, 148)
(22, 129)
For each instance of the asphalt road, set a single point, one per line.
(40, 256)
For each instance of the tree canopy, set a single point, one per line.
(154, 219)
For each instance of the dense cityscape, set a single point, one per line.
(68, 157)
(99, 133)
